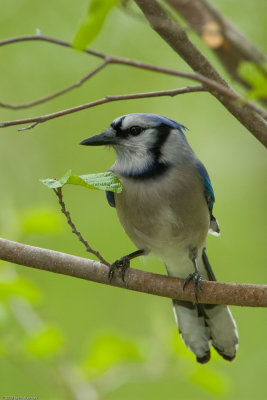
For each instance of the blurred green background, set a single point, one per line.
(62, 338)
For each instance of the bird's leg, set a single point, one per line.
(205, 259)
(195, 276)
(123, 263)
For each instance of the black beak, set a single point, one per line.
(108, 137)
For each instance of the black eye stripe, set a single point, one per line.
(116, 125)
(163, 132)
(135, 130)
(124, 133)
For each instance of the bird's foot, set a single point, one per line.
(196, 278)
(122, 264)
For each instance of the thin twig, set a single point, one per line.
(140, 281)
(219, 88)
(56, 94)
(74, 229)
(161, 93)
(33, 121)
(43, 38)
(43, 118)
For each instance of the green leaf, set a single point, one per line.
(45, 343)
(108, 351)
(101, 181)
(51, 183)
(256, 77)
(93, 22)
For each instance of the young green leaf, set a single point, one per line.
(102, 181)
(256, 77)
(93, 22)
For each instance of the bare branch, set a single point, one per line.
(161, 93)
(56, 94)
(247, 113)
(33, 121)
(178, 40)
(140, 281)
(43, 118)
(74, 229)
(43, 38)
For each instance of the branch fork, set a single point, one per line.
(249, 114)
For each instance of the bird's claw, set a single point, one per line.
(123, 264)
(196, 278)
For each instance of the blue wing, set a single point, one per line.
(110, 198)
(208, 191)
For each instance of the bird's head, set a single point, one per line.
(145, 144)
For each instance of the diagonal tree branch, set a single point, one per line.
(43, 38)
(219, 89)
(228, 43)
(160, 285)
(178, 40)
(33, 121)
(43, 118)
(56, 94)
(140, 65)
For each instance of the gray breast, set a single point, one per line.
(155, 213)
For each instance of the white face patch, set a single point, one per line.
(154, 147)
(133, 152)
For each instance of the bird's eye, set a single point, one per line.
(135, 130)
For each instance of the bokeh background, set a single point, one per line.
(63, 338)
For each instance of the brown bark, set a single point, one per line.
(177, 38)
(140, 281)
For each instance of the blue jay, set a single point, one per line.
(165, 208)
